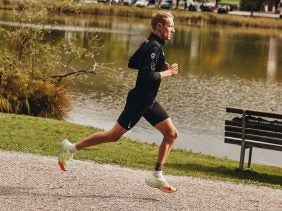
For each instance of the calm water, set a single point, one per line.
(219, 67)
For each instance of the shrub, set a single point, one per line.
(32, 68)
(21, 94)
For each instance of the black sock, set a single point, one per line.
(159, 167)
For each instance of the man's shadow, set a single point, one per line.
(32, 192)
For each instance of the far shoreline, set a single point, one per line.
(182, 16)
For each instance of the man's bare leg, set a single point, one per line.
(67, 149)
(170, 133)
(111, 135)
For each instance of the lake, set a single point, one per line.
(219, 67)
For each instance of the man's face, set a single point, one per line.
(167, 30)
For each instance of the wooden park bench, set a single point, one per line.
(253, 129)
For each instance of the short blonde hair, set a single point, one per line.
(160, 17)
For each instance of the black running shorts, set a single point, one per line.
(132, 113)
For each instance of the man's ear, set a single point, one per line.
(159, 26)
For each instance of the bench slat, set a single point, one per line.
(234, 110)
(254, 113)
(255, 138)
(252, 126)
(253, 144)
(254, 131)
(263, 114)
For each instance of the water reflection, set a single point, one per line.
(220, 67)
(194, 50)
(272, 67)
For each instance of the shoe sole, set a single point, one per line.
(168, 189)
(62, 166)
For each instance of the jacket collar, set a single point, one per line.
(157, 38)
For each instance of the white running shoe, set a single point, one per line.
(160, 183)
(65, 155)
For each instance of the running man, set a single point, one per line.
(141, 102)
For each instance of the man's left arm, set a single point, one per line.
(170, 70)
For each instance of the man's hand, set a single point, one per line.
(169, 70)
(174, 69)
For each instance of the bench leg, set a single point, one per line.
(250, 157)
(242, 158)
(243, 147)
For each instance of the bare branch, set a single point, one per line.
(70, 60)
(94, 63)
(76, 73)
(68, 67)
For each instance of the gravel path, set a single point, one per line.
(32, 182)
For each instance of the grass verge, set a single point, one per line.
(42, 136)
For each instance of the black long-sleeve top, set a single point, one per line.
(149, 78)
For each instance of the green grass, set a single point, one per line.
(42, 136)
(234, 2)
